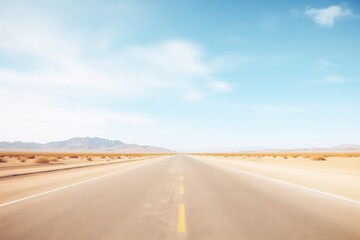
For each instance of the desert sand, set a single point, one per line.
(335, 175)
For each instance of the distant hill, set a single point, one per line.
(81, 144)
(347, 147)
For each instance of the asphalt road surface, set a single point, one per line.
(179, 197)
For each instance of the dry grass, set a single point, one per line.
(8, 157)
(54, 159)
(318, 158)
(42, 160)
(22, 159)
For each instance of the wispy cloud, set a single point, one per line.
(218, 85)
(136, 69)
(61, 64)
(331, 79)
(193, 95)
(58, 59)
(231, 61)
(326, 17)
(272, 108)
(48, 119)
(234, 38)
(327, 64)
(323, 65)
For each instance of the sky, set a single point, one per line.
(185, 75)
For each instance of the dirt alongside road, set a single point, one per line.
(336, 175)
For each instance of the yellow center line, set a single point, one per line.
(181, 189)
(181, 220)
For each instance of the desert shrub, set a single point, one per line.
(89, 158)
(2, 160)
(73, 156)
(318, 158)
(53, 159)
(30, 156)
(41, 160)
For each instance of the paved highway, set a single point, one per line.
(179, 197)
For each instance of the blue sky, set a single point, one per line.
(181, 74)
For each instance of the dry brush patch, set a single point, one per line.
(81, 156)
(54, 159)
(22, 159)
(318, 158)
(42, 160)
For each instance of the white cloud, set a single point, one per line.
(271, 108)
(327, 64)
(51, 67)
(220, 86)
(193, 95)
(327, 17)
(230, 61)
(51, 55)
(335, 79)
(133, 70)
(332, 79)
(235, 38)
(31, 117)
(58, 59)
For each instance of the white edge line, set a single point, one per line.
(71, 185)
(283, 182)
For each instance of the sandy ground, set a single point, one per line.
(13, 165)
(23, 161)
(12, 188)
(336, 175)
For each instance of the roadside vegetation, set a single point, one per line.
(56, 158)
(41, 160)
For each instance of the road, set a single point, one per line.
(180, 197)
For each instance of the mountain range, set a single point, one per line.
(82, 144)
